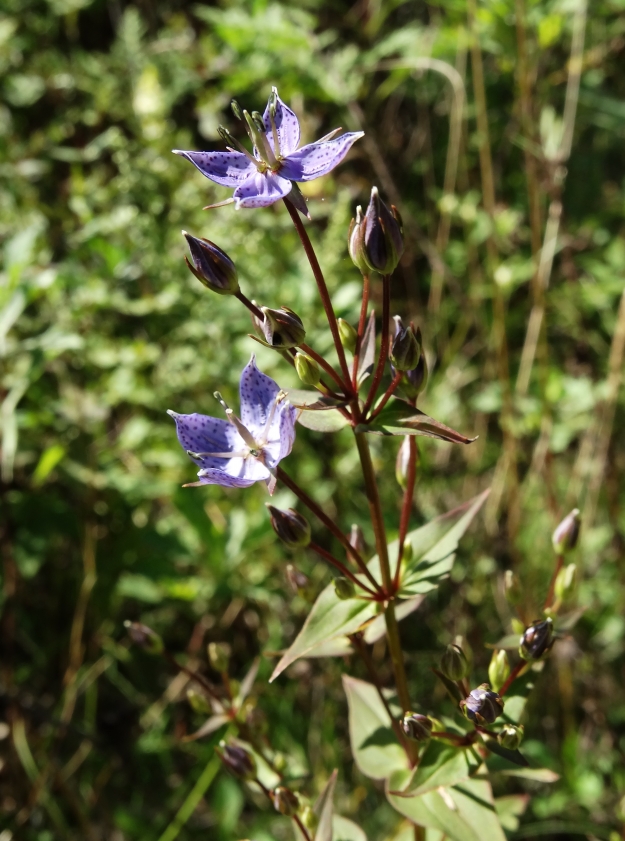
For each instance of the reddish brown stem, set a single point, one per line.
(552, 583)
(379, 371)
(387, 396)
(512, 677)
(362, 325)
(404, 521)
(329, 557)
(323, 292)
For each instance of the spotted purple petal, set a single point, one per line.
(226, 168)
(287, 126)
(258, 393)
(318, 159)
(261, 189)
(220, 477)
(203, 434)
(282, 433)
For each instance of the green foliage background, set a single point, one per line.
(102, 329)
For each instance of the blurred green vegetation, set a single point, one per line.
(102, 329)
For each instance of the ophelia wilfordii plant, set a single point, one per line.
(435, 756)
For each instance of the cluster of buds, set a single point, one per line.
(537, 641)
(407, 357)
(375, 240)
(291, 527)
(482, 705)
(417, 727)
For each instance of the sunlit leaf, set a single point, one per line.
(366, 359)
(399, 418)
(323, 421)
(346, 830)
(324, 809)
(312, 400)
(440, 765)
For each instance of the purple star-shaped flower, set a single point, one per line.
(266, 176)
(240, 451)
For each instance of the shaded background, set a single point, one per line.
(102, 329)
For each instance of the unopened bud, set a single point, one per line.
(414, 382)
(566, 534)
(348, 335)
(415, 726)
(198, 702)
(512, 587)
(482, 705)
(219, 656)
(237, 760)
(454, 663)
(510, 736)
(407, 551)
(402, 462)
(291, 527)
(309, 819)
(212, 266)
(285, 801)
(296, 578)
(405, 350)
(144, 637)
(282, 328)
(344, 588)
(566, 583)
(499, 669)
(383, 242)
(357, 539)
(355, 242)
(307, 369)
(537, 640)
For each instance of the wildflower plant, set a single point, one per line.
(438, 757)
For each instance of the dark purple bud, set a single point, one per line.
(237, 760)
(282, 328)
(418, 727)
(219, 656)
(414, 381)
(454, 663)
(405, 350)
(510, 736)
(567, 533)
(355, 242)
(537, 640)
(482, 705)
(344, 588)
(296, 578)
(292, 528)
(212, 266)
(383, 243)
(357, 539)
(144, 637)
(285, 801)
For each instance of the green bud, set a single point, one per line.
(510, 736)
(383, 242)
(198, 702)
(566, 534)
(237, 760)
(407, 551)
(512, 587)
(281, 328)
(219, 656)
(417, 727)
(566, 583)
(413, 382)
(405, 349)
(357, 539)
(537, 640)
(307, 369)
(402, 462)
(309, 819)
(296, 578)
(499, 669)
(212, 266)
(344, 588)
(291, 527)
(285, 801)
(144, 637)
(348, 335)
(355, 242)
(454, 663)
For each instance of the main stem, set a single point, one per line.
(377, 520)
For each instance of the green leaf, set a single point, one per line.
(433, 812)
(475, 803)
(440, 765)
(346, 830)
(376, 629)
(375, 748)
(510, 808)
(366, 359)
(499, 765)
(327, 421)
(324, 809)
(329, 618)
(399, 418)
(312, 401)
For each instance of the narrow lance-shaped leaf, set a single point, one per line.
(366, 359)
(399, 418)
(324, 809)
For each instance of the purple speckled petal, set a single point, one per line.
(318, 159)
(281, 433)
(287, 126)
(219, 477)
(226, 168)
(258, 393)
(203, 434)
(261, 189)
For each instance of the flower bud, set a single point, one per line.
(417, 727)
(307, 369)
(144, 637)
(405, 350)
(499, 669)
(219, 656)
(282, 328)
(296, 578)
(344, 588)
(413, 382)
(510, 736)
(454, 663)
(357, 539)
(512, 587)
(383, 243)
(402, 462)
(285, 801)
(566, 583)
(309, 819)
(348, 335)
(237, 760)
(212, 266)
(407, 551)
(355, 242)
(566, 534)
(537, 640)
(482, 705)
(198, 702)
(292, 528)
